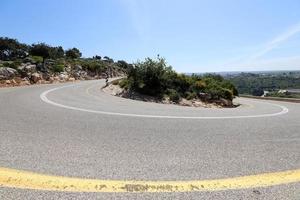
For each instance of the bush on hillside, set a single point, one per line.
(11, 49)
(155, 78)
(37, 59)
(58, 68)
(93, 65)
(173, 95)
(12, 64)
(73, 53)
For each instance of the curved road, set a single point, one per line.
(76, 130)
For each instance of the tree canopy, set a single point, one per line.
(73, 53)
(11, 49)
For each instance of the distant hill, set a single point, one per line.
(256, 82)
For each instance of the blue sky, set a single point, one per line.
(193, 35)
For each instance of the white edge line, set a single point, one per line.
(44, 98)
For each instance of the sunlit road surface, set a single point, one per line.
(73, 141)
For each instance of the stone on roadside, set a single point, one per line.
(7, 73)
(35, 77)
(72, 79)
(13, 81)
(226, 102)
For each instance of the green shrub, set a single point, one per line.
(115, 82)
(154, 77)
(93, 65)
(37, 59)
(150, 77)
(190, 95)
(124, 83)
(73, 53)
(173, 95)
(12, 64)
(227, 94)
(58, 68)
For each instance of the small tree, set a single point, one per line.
(40, 49)
(257, 91)
(73, 53)
(151, 76)
(97, 57)
(57, 52)
(11, 49)
(123, 64)
(108, 59)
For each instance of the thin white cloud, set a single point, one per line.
(291, 62)
(254, 61)
(277, 41)
(281, 63)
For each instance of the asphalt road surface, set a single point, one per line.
(76, 130)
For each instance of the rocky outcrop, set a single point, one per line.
(7, 73)
(27, 68)
(36, 73)
(35, 77)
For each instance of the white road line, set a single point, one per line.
(43, 96)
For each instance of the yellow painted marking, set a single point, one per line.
(29, 180)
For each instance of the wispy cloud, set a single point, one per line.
(277, 41)
(279, 63)
(290, 62)
(255, 60)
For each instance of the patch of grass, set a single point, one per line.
(58, 68)
(124, 83)
(190, 95)
(37, 59)
(12, 64)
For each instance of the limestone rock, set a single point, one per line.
(7, 73)
(35, 77)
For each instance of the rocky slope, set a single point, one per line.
(32, 73)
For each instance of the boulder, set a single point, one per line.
(13, 81)
(46, 76)
(78, 68)
(7, 73)
(72, 79)
(27, 69)
(25, 79)
(68, 68)
(53, 79)
(42, 67)
(185, 102)
(35, 77)
(24, 82)
(63, 76)
(80, 75)
(204, 96)
(56, 78)
(226, 102)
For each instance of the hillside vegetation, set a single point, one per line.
(42, 63)
(23, 64)
(155, 78)
(256, 83)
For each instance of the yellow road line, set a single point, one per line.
(29, 180)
